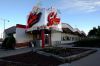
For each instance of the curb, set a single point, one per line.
(68, 59)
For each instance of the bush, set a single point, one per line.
(9, 43)
(3, 46)
(90, 42)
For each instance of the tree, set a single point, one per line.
(98, 31)
(95, 32)
(9, 42)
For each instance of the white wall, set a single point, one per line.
(56, 38)
(22, 36)
(75, 38)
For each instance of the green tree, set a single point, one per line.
(98, 31)
(93, 32)
(9, 42)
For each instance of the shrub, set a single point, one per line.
(90, 42)
(4, 43)
(9, 43)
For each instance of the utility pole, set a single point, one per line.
(4, 20)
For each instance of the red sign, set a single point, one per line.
(52, 19)
(33, 19)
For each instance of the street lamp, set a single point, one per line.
(4, 20)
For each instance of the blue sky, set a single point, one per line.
(82, 14)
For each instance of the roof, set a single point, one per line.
(65, 25)
(68, 29)
(10, 30)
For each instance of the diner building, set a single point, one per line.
(44, 28)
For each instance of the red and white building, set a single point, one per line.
(44, 25)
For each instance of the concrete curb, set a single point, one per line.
(68, 59)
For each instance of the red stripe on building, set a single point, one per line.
(20, 26)
(43, 38)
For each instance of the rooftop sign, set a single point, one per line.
(41, 17)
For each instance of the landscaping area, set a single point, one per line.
(29, 59)
(63, 52)
(52, 56)
(66, 55)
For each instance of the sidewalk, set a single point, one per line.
(91, 60)
(5, 53)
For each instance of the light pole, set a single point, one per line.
(4, 20)
(4, 24)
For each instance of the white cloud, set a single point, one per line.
(79, 5)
